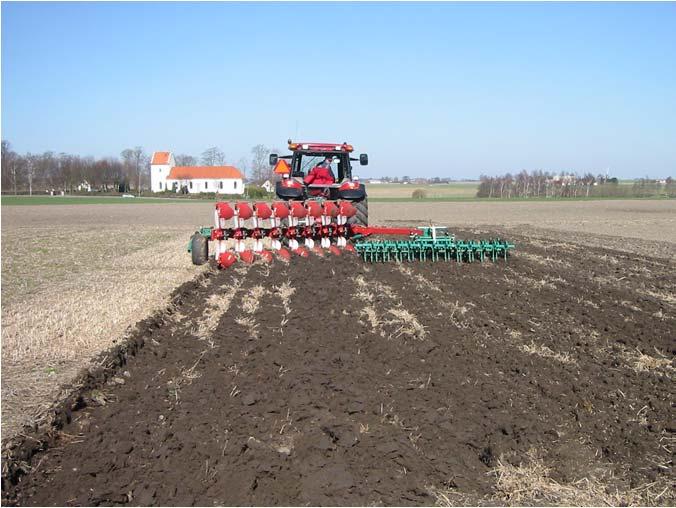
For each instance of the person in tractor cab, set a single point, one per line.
(321, 174)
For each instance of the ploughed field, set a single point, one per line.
(327, 381)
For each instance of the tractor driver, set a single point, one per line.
(321, 174)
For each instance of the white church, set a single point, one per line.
(166, 175)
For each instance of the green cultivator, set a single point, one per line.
(432, 244)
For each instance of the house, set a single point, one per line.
(166, 175)
(268, 186)
(160, 166)
(195, 179)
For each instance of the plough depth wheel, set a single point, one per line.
(199, 249)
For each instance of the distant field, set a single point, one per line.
(456, 190)
(466, 191)
(452, 191)
(86, 200)
(382, 192)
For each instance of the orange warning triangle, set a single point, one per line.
(282, 167)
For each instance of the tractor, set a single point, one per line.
(330, 216)
(304, 157)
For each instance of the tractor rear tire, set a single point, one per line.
(199, 247)
(361, 218)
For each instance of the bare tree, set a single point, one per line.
(70, 171)
(129, 166)
(213, 157)
(47, 171)
(259, 163)
(30, 168)
(243, 166)
(135, 157)
(526, 185)
(89, 172)
(588, 180)
(185, 160)
(9, 164)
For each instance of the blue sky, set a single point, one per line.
(446, 89)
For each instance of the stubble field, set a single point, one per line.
(327, 381)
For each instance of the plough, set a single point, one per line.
(247, 231)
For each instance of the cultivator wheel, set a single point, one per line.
(249, 231)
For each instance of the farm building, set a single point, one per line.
(166, 175)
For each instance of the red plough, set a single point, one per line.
(247, 231)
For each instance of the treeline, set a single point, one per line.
(29, 173)
(542, 184)
(130, 172)
(647, 187)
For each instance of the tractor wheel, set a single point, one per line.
(199, 247)
(361, 218)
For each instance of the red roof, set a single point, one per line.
(161, 158)
(206, 172)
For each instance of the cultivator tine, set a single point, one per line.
(314, 215)
(296, 212)
(327, 218)
(279, 212)
(346, 210)
(243, 212)
(261, 212)
(428, 249)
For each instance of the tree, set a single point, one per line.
(243, 166)
(484, 187)
(135, 157)
(9, 165)
(588, 180)
(30, 168)
(185, 160)
(64, 171)
(89, 172)
(112, 173)
(47, 171)
(260, 168)
(213, 157)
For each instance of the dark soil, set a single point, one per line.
(325, 406)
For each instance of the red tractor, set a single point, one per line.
(323, 208)
(321, 171)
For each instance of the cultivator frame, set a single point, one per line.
(247, 231)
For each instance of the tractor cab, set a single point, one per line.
(296, 169)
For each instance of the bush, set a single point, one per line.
(199, 195)
(419, 194)
(255, 192)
